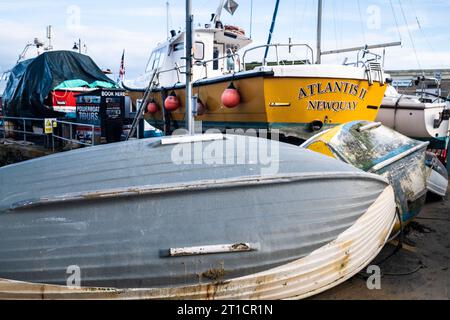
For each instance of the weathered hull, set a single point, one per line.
(320, 270)
(269, 102)
(408, 178)
(120, 213)
(377, 149)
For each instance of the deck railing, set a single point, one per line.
(63, 133)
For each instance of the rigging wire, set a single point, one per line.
(363, 29)
(335, 28)
(411, 36)
(294, 14)
(396, 20)
(251, 18)
(302, 17)
(420, 27)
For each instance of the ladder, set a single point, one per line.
(376, 68)
(140, 112)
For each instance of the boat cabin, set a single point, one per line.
(215, 54)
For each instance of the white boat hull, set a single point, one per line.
(415, 120)
(437, 184)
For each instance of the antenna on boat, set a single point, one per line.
(319, 32)
(49, 37)
(167, 19)
(188, 48)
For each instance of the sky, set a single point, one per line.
(109, 27)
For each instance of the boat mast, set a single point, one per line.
(188, 48)
(272, 27)
(319, 32)
(218, 13)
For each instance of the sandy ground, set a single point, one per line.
(420, 270)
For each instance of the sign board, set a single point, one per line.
(88, 109)
(402, 83)
(49, 124)
(104, 109)
(438, 76)
(230, 6)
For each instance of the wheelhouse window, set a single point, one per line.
(156, 59)
(199, 50)
(178, 46)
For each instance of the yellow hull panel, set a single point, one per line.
(288, 104)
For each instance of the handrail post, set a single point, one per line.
(276, 52)
(70, 132)
(4, 128)
(24, 130)
(92, 135)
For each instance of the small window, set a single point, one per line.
(178, 46)
(156, 60)
(150, 63)
(199, 50)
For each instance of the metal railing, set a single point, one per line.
(85, 140)
(277, 46)
(233, 56)
(22, 128)
(363, 57)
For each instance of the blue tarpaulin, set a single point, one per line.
(31, 81)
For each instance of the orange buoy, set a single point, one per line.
(172, 103)
(231, 97)
(201, 109)
(152, 107)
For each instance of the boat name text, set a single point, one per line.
(335, 106)
(332, 87)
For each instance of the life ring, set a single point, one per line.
(235, 29)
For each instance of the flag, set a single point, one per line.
(231, 6)
(122, 67)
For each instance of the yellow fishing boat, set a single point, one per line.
(297, 97)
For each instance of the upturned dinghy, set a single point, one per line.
(375, 148)
(437, 181)
(139, 222)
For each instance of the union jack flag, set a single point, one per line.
(122, 67)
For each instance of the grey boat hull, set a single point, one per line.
(144, 225)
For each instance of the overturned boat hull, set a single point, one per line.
(322, 269)
(378, 149)
(138, 226)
